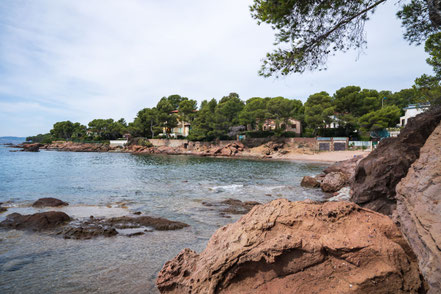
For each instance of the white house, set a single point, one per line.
(413, 110)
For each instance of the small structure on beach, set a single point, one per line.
(332, 143)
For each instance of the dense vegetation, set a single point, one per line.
(356, 111)
(313, 30)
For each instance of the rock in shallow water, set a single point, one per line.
(298, 247)
(309, 182)
(333, 182)
(49, 202)
(37, 221)
(419, 209)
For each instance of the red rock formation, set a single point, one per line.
(298, 247)
(333, 182)
(310, 182)
(419, 209)
(378, 174)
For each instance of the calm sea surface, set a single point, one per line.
(113, 184)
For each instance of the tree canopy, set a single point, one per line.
(308, 31)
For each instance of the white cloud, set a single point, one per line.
(110, 58)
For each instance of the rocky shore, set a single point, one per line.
(335, 247)
(270, 150)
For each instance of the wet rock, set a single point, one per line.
(333, 182)
(87, 232)
(378, 174)
(36, 222)
(232, 206)
(137, 213)
(31, 147)
(158, 223)
(49, 202)
(298, 247)
(419, 209)
(96, 227)
(310, 182)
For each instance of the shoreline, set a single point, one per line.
(232, 150)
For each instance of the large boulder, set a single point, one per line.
(49, 202)
(378, 174)
(419, 209)
(36, 222)
(299, 247)
(333, 182)
(346, 167)
(310, 182)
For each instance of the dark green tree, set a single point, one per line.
(308, 31)
(376, 120)
(319, 111)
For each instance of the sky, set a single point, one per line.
(85, 59)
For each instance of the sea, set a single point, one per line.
(116, 184)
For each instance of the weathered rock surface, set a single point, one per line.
(36, 222)
(346, 167)
(419, 209)
(96, 227)
(78, 147)
(298, 247)
(49, 202)
(333, 182)
(31, 147)
(378, 174)
(310, 182)
(232, 206)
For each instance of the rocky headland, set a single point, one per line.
(335, 247)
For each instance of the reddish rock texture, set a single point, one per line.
(333, 182)
(310, 182)
(346, 167)
(419, 209)
(36, 222)
(298, 247)
(31, 147)
(378, 174)
(49, 202)
(78, 147)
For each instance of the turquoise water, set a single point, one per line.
(107, 184)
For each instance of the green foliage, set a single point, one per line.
(40, 138)
(67, 130)
(380, 119)
(107, 129)
(308, 31)
(146, 123)
(318, 110)
(226, 114)
(259, 134)
(202, 126)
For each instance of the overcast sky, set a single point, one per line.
(83, 59)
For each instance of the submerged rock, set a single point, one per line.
(419, 209)
(87, 232)
(232, 206)
(96, 227)
(36, 222)
(378, 174)
(298, 247)
(49, 202)
(158, 223)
